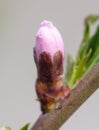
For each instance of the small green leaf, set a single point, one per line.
(69, 69)
(25, 127)
(5, 128)
(93, 61)
(94, 45)
(78, 69)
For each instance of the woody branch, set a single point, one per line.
(82, 91)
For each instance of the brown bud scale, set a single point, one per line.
(49, 86)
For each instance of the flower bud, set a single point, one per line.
(49, 57)
(48, 52)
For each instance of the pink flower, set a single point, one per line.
(48, 39)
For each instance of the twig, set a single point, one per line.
(83, 89)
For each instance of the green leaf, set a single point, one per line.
(88, 53)
(25, 127)
(5, 128)
(85, 44)
(69, 66)
(94, 57)
(78, 69)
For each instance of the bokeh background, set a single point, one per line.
(19, 20)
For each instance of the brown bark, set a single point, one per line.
(83, 89)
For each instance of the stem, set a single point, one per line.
(85, 88)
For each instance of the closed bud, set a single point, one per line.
(49, 52)
(49, 57)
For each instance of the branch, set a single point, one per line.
(85, 88)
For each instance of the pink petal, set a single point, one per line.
(48, 39)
